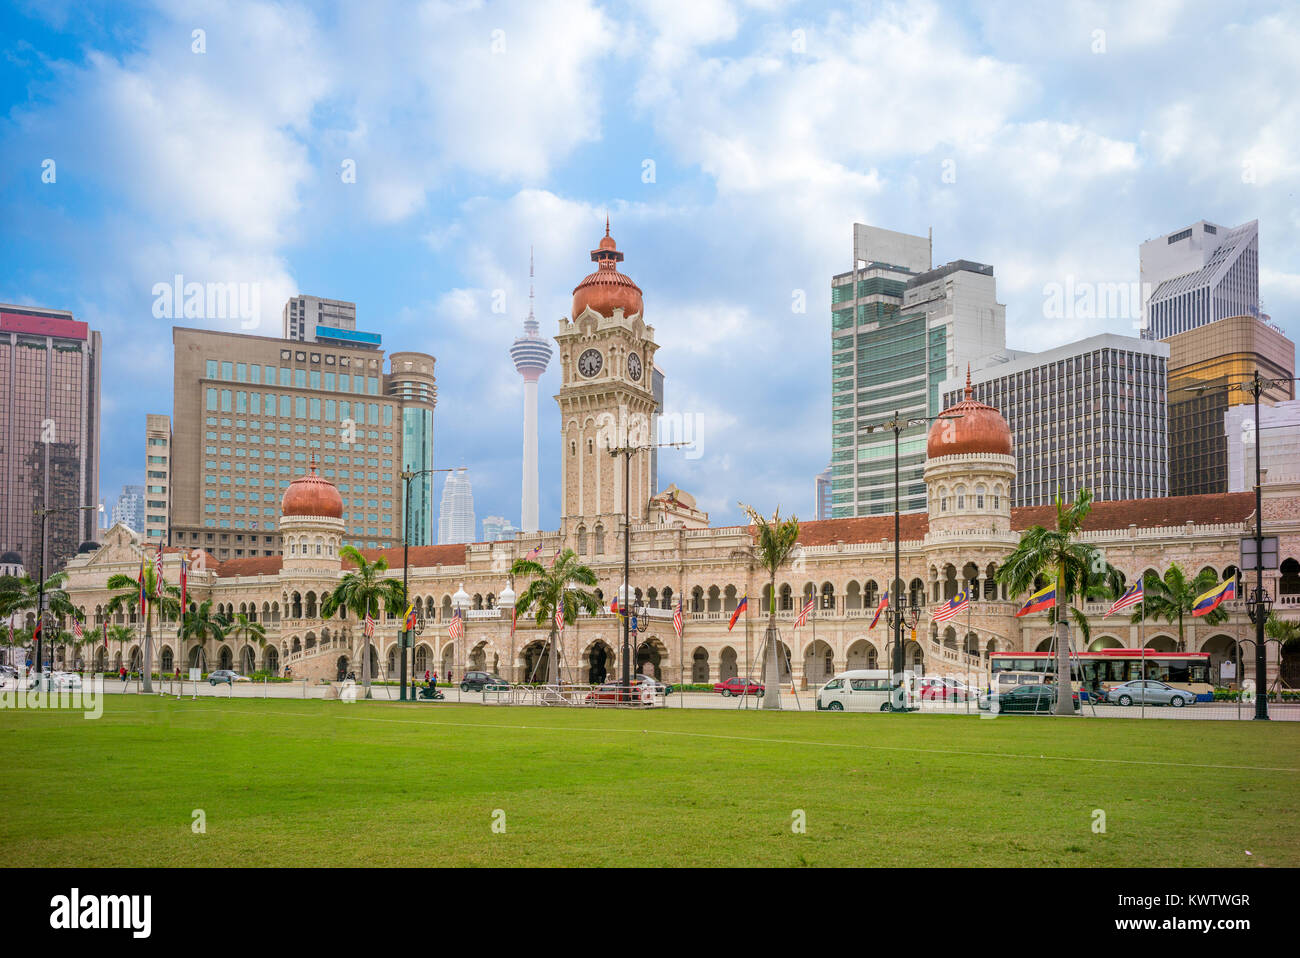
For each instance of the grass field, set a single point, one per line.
(326, 783)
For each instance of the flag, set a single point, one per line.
(1207, 602)
(740, 607)
(457, 627)
(803, 614)
(1044, 598)
(409, 619)
(105, 635)
(554, 557)
(76, 628)
(144, 598)
(158, 571)
(185, 583)
(535, 552)
(954, 607)
(559, 618)
(884, 601)
(1129, 599)
(369, 627)
(514, 618)
(677, 619)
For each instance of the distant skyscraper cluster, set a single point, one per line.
(498, 528)
(456, 510)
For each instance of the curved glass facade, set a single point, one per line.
(417, 454)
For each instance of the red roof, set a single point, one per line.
(252, 565)
(824, 532)
(421, 556)
(1149, 513)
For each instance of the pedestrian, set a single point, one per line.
(178, 673)
(121, 671)
(426, 676)
(435, 677)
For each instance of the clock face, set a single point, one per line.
(589, 362)
(634, 366)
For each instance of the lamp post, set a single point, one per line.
(43, 513)
(407, 475)
(460, 602)
(506, 603)
(1259, 603)
(897, 611)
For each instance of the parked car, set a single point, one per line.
(738, 686)
(229, 676)
(934, 688)
(478, 681)
(1148, 692)
(616, 693)
(1038, 699)
(662, 688)
(65, 680)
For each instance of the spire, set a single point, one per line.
(606, 224)
(969, 390)
(531, 317)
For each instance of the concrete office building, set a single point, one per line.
(310, 319)
(898, 329)
(252, 412)
(129, 508)
(456, 510)
(498, 528)
(1203, 362)
(49, 434)
(1278, 433)
(157, 486)
(1089, 415)
(1198, 275)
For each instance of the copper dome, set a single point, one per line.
(310, 495)
(607, 289)
(981, 429)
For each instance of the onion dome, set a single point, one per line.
(90, 545)
(310, 495)
(607, 289)
(11, 558)
(980, 429)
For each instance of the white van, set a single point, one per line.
(866, 690)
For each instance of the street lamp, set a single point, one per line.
(460, 603)
(506, 603)
(912, 613)
(407, 475)
(43, 513)
(1260, 602)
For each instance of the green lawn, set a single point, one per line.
(328, 783)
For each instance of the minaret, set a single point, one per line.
(531, 354)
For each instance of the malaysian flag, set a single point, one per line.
(677, 619)
(803, 614)
(559, 618)
(514, 618)
(554, 557)
(76, 628)
(1129, 599)
(954, 607)
(534, 552)
(457, 627)
(369, 627)
(158, 571)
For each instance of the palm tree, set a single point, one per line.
(774, 542)
(1174, 597)
(1078, 569)
(361, 592)
(166, 604)
(552, 589)
(121, 634)
(23, 594)
(1286, 631)
(201, 625)
(243, 629)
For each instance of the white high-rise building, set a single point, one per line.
(129, 508)
(531, 354)
(496, 528)
(1198, 275)
(456, 511)
(1278, 433)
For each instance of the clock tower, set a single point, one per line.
(606, 398)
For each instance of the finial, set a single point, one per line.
(969, 390)
(530, 284)
(313, 463)
(606, 224)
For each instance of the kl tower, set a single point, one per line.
(531, 354)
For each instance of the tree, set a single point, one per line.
(362, 591)
(202, 626)
(121, 634)
(1078, 569)
(1174, 597)
(552, 589)
(127, 597)
(774, 542)
(1286, 631)
(243, 629)
(22, 594)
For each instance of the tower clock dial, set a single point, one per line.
(634, 366)
(589, 362)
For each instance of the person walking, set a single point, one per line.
(121, 672)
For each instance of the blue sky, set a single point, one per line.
(478, 129)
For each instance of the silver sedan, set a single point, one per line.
(1148, 692)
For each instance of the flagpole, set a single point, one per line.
(1142, 639)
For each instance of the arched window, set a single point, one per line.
(979, 496)
(582, 540)
(598, 540)
(961, 498)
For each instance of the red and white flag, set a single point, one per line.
(76, 628)
(559, 618)
(369, 627)
(105, 635)
(158, 571)
(803, 614)
(677, 619)
(457, 627)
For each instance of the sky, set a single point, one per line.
(407, 157)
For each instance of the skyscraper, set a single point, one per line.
(1088, 414)
(822, 494)
(49, 434)
(496, 528)
(308, 319)
(456, 510)
(531, 354)
(157, 478)
(898, 329)
(129, 508)
(1198, 275)
(411, 381)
